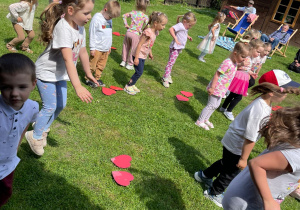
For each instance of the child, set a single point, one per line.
(274, 174)
(240, 139)
(101, 39)
(239, 86)
(220, 82)
(21, 15)
(157, 22)
(65, 37)
(260, 60)
(131, 39)
(17, 80)
(208, 44)
(179, 32)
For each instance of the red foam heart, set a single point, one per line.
(115, 88)
(108, 91)
(187, 94)
(122, 178)
(122, 161)
(274, 108)
(116, 33)
(181, 98)
(113, 48)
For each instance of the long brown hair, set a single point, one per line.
(52, 14)
(217, 19)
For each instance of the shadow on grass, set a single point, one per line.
(192, 53)
(190, 158)
(116, 56)
(201, 96)
(121, 77)
(35, 186)
(160, 193)
(185, 107)
(149, 70)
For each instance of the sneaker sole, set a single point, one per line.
(210, 198)
(228, 117)
(31, 146)
(130, 93)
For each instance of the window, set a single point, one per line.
(287, 11)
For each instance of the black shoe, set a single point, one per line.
(101, 83)
(91, 84)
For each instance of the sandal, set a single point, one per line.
(209, 124)
(11, 48)
(27, 49)
(202, 125)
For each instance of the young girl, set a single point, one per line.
(260, 60)
(17, 80)
(179, 32)
(157, 22)
(131, 39)
(239, 86)
(274, 174)
(21, 15)
(220, 82)
(65, 37)
(240, 139)
(208, 44)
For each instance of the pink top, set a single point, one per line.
(138, 18)
(227, 70)
(146, 47)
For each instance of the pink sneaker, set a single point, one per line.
(202, 125)
(209, 124)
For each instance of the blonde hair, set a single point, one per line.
(156, 17)
(267, 44)
(241, 48)
(113, 8)
(256, 43)
(141, 5)
(217, 19)
(52, 14)
(31, 3)
(249, 35)
(189, 17)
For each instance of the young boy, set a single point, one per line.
(101, 39)
(17, 80)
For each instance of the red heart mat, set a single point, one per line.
(187, 94)
(274, 108)
(113, 48)
(108, 91)
(122, 178)
(116, 33)
(181, 98)
(115, 88)
(122, 161)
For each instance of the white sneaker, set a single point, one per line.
(229, 115)
(136, 89)
(129, 67)
(201, 59)
(170, 80)
(165, 83)
(123, 63)
(129, 90)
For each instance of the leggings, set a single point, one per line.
(212, 104)
(231, 101)
(21, 37)
(172, 59)
(54, 98)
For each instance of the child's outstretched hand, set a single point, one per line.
(151, 56)
(241, 164)
(190, 38)
(84, 94)
(19, 20)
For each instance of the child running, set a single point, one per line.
(21, 15)
(240, 139)
(17, 80)
(101, 40)
(65, 37)
(131, 39)
(220, 82)
(179, 32)
(274, 174)
(157, 22)
(240, 84)
(208, 44)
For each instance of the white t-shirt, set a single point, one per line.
(22, 9)
(50, 65)
(100, 33)
(181, 34)
(12, 125)
(243, 194)
(246, 126)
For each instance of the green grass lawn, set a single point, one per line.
(155, 129)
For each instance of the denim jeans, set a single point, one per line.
(265, 38)
(139, 69)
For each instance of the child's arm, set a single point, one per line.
(81, 92)
(172, 32)
(84, 58)
(213, 83)
(273, 161)
(16, 8)
(189, 38)
(22, 136)
(142, 41)
(246, 150)
(213, 32)
(151, 55)
(125, 16)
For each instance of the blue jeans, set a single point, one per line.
(265, 38)
(138, 72)
(54, 99)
